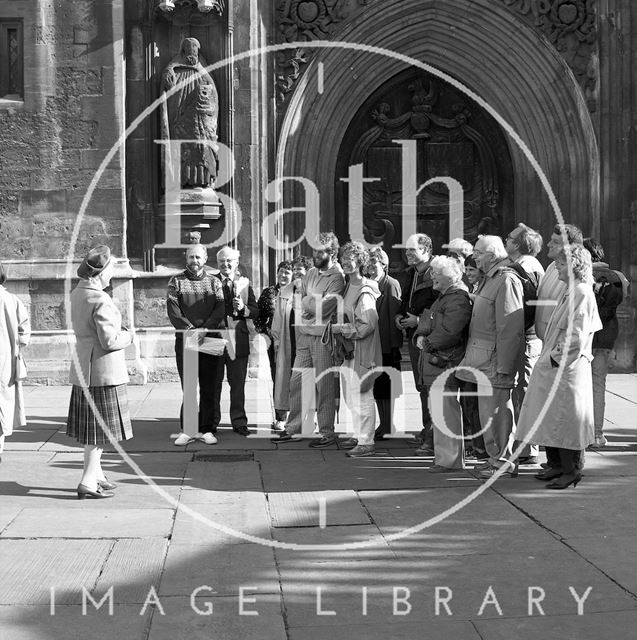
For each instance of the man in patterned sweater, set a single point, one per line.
(195, 301)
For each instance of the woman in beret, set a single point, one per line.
(98, 411)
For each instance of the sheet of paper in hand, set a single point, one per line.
(211, 346)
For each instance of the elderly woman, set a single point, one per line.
(442, 336)
(361, 328)
(561, 381)
(15, 331)
(98, 411)
(267, 304)
(284, 339)
(391, 339)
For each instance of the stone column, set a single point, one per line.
(618, 145)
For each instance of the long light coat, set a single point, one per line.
(568, 421)
(360, 309)
(15, 331)
(97, 324)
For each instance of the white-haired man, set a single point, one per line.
(458, 249)
(496, 340)
(240, 305)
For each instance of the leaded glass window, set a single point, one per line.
(11, 59)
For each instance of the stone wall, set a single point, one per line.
(52, 142)
(55, 139)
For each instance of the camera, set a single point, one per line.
(437, 361)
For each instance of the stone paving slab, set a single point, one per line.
(615, 625)
(396, 630)
(248, 516)
(514, 535)
(30, 568)
(468, 582)
(91, 520)
(304, 508)
(225, 621)
(622, 384)
(223, 476)
(34, 435)
(487, 523)
(9, 512)
(68, 623)
(590, 511)
(601, 551)
(340, 540)
(132, 567)
(224, 568)
(333, 470)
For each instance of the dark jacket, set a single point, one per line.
(445, 328)
(249, 313)
(388, 307)
(265, 303)
(608, 294)
(423, 294)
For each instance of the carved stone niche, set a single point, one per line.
(204, 6)
(196, 201)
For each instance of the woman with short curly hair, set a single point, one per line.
(441, 336)
(559, 396)
(360, 326)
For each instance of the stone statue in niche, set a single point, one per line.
(190, 113)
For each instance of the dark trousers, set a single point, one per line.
(423, 390)
(236, 371)
(208, 412)
(471, 417)
(383, 392)
(569, 460)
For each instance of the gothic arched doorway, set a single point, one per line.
(454, 137)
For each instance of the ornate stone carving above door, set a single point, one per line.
(571, 26)
(306, 20)
(454, 138)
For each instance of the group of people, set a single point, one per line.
(505, 356)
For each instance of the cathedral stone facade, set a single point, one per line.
(528, 105)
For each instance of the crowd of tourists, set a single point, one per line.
(506, 357)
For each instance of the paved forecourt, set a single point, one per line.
(517, 560)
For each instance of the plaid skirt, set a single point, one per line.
(113, 416)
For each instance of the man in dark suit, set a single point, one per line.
(240, 308)
(417, 296)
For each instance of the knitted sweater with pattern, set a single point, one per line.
(195, 301)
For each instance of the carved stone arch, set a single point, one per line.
(505, 62)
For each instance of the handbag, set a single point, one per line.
(340, 348)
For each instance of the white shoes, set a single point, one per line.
(183, 439)
(207, 438)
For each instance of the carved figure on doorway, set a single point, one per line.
(190, 113)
